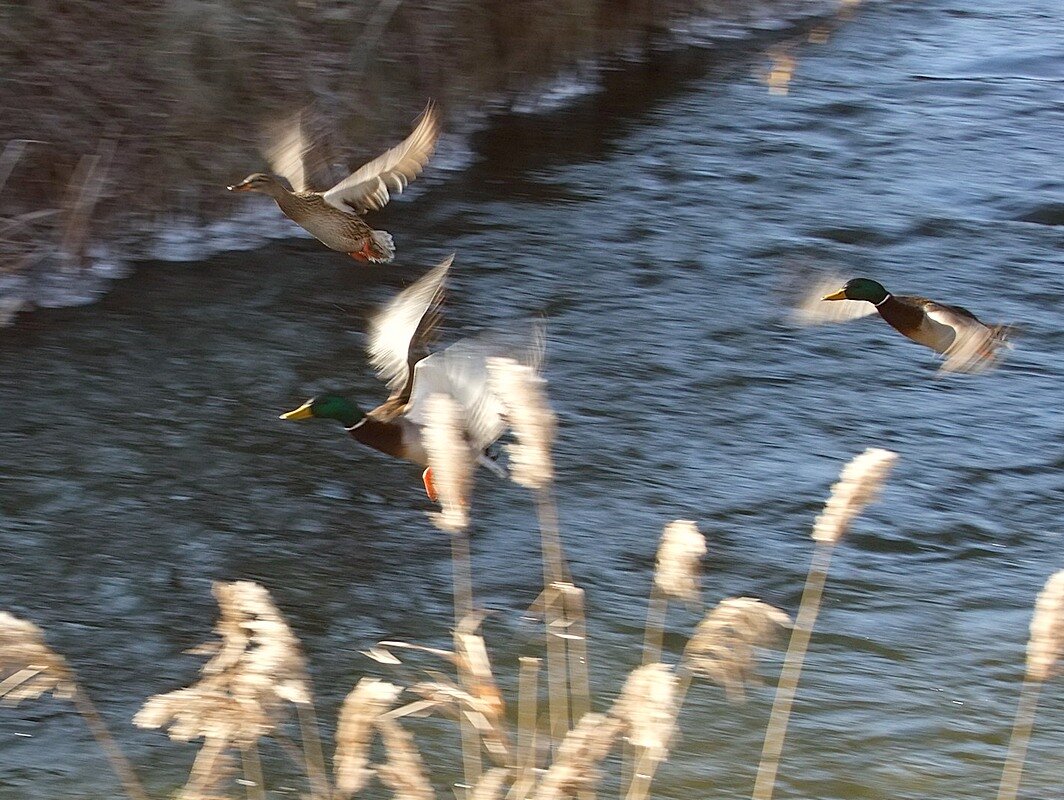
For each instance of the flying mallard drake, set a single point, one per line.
(333, 216)
(398, 348)
(965, 342)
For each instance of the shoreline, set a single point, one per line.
(56, 275)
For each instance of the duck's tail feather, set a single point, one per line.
(381, 247)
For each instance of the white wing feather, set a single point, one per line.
(392, 329)
(461, 371)
(286, 152)
(368, 188)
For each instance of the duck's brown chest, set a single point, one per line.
(383, 436)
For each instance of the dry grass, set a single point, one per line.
(256, 672)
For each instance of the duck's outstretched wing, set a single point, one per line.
(976, 346)
(369, 187)
(461, 371)
(298, 155)
(399, 333)
(811, 309)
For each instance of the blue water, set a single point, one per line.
(661, 226)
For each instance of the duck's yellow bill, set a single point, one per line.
(839, 295)
(303, 412)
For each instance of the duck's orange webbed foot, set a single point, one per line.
(365, 254)
(430, 487)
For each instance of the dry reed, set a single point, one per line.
(857, 486)
(521, 391)
(576, 764)
(256, 665)
(31, 668)
(1045, 648)
(404, 771)
(676, 575)
(451, 463)
(354, 732)
(723, 647)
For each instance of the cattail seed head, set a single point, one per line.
(857, 486)
(678, 561)
(724, 645)
(354, 731)
(255, 666)
(1046, 645)
(576, 766)
(28, 667)
(523, 394)
(451, 462)
(645, 706)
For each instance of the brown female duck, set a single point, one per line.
(333, 216)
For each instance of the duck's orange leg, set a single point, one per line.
(366, 253)
(430, 487)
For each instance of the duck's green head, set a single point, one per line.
(328, 406)
(860, 289)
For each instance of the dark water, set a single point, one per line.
(657, 225)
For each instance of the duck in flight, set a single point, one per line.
(334, 216)
(398, 348)
(966, 343)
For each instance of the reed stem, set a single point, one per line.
(527, 704)
(557, 671)
(654, 633)
(1021, 736)
(792, 669)
(312, 751)
(119, 763)
(253, 772)
(472, 765)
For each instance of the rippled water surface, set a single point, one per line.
(659, 226)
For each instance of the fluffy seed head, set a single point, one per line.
(451, 462)
(404, 771)
(1046, 645)
(581, 752)
(679, 557)
(524, 396)
(28, 667)
(255, 666)
(724, 645)
(645, 706)
(857, 486)
(354, 731)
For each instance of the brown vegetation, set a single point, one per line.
(133, 115)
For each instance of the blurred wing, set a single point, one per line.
(810, 309)
(461, 371)
(398, 333)
(285, 152)
(975, 346)
(368, 188)
(299, 156)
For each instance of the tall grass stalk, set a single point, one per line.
(857, 486)
(253, 771)
(452, 469)
(37, 669)
(527, 705)
(314, 758)
(1045, 648)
